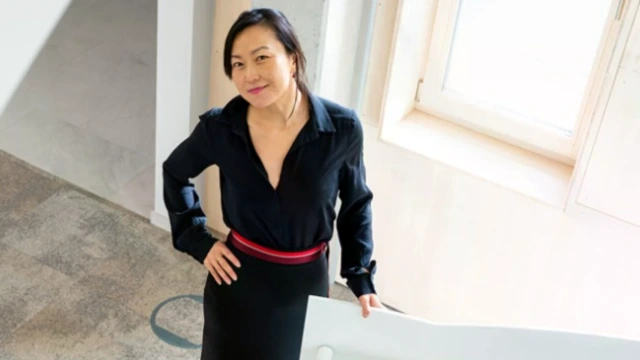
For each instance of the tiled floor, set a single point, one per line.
(85, 110)
(80, 277)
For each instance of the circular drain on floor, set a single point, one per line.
(178, 321)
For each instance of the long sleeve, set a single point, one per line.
(188, 231)
(354, 219)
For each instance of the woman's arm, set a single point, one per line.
(354, 218)
(188, 160)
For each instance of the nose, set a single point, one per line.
(251, 74)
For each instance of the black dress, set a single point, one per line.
(261, 315)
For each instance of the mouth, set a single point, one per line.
(257, 90)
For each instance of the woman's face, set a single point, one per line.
(261, 69)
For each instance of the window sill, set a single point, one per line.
(482, 156)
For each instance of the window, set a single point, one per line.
(519, 71)
(503, 90)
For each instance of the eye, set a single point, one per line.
(236, 64)
(261, 57)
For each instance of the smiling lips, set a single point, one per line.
(257, 90)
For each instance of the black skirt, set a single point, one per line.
(261, 315)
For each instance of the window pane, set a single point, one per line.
(530, 57)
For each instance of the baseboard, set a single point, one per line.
(160, 220)
(340, 280)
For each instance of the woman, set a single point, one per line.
(284, 156)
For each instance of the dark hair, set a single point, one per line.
(275, 20)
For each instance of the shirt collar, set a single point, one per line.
(320, 116)
(235, 114)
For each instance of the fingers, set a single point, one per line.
(228, 271)
(217, 264)
(229, 255)
(366, 308)
(212, 271)
(221, 272)
(375, 302)
(367, 302)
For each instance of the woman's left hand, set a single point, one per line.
(367, 302)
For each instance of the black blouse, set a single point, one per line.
(325, 160)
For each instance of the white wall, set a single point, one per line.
(182, 93)
(33, 20)
(455, 248)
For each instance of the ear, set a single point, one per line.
(294, 64)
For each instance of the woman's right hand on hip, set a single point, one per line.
(219, 261)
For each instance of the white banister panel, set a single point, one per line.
(335, 330)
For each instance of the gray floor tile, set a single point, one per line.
(121, 276)
(26, 287)
(7, 356)
(72, 326)
(23, 188)
(142, 351)
(182, 317)
(69, 231)
(185, 278)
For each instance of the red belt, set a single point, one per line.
(279, 257)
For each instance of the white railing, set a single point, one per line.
(335, 330)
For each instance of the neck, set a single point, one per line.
(282, 111)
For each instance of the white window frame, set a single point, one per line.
(399, 54)
(498, 124)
